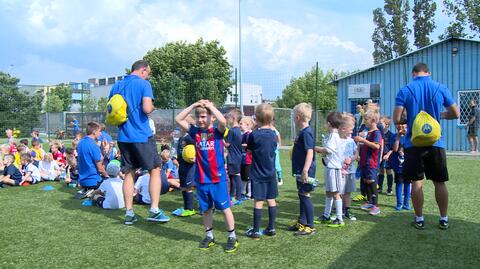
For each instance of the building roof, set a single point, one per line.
(406, 55)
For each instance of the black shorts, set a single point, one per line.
(245, 172)
(233, 168)
(472, 131)
(139, 155)
(186, 174)
(429, 162)
(262, 190)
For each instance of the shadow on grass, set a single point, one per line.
(393, 242)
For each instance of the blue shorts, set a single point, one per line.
(234, 168)
(304, 187)
(213, 194)
(186, 173)
(386, 164)
(369, 173)
(262, 190)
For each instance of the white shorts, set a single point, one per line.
(350, 183)
(334, 181)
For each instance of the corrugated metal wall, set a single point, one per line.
(458, 71)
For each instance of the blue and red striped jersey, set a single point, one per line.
(210, 162)
(370, 157)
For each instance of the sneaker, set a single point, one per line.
(129, 220)
(187, 213)
(307, 230)
(350, 216)
(399, 208)
(81, 194)
(336, 224)
(374, 211)
(366, 206)
(280, 182)
(252, 234)
(158, 217)
(206, 243)
(324, 220)
(269, 232)
(406, 207)
(178, 212)
(380, 191)
(236, 202)
(359, 198)
(296, 227)
(232, 245)
(389, 193)
(420, 225)
(443, 224)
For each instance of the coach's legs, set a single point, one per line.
(417, 197)
(441, 195)
(128, 184)
(155, 187)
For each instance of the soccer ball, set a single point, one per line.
(188, 153)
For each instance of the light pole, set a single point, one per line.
(240, 55)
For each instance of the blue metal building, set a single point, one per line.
(454, 62)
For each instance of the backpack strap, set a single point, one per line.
(414, 97)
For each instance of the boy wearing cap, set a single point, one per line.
(110, 195)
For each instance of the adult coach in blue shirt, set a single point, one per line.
(136, 141)
(429, 162)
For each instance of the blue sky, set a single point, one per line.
(48, 42)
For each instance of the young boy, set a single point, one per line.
(233, 142)
(39, 152)
(110, 194)
(262, 142)
(304, 168)
(31, 173)
(350, 155)
(370, 152)
(334, 150)
(167, 164)
(11, 175)
(246, 125)
(210, 174)
(397, 158)
(186, 173)
(141, 193)
(385, 166)
(278, 166)
(58, 154)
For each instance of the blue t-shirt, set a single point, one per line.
(396, 160)
(431, 95)
(350, 150)
(262, 142)
(105, 136)
(210, 162)
(234, 138)
(133, 89)
(168, 165)
(303, 142)
(388, 140)
(88, 155)
(13, 172)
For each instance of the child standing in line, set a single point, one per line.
(262, 142)
(401, 185)
(385, 167)
(233, 142)
(246, 125)
(278, 166)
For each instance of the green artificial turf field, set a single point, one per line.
(49, 229)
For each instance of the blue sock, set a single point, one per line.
(272, 216)
(380, 181)
(308, 209)
(302, 219)
(187, 200)
(398, 193)
(389, 183)
(406, 193)
(257, 219)
(237, 181)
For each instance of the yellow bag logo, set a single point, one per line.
(116, 110)
(425, 130)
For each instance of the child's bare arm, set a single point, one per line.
(306, 166)
(180, 119)
(222, 122)
(321, 150)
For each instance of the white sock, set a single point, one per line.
(339, 208)
(444, 218)
(417, 218)
(130, 213)
(154, 210)
(231, 234)
(209, 233)
(328, 206)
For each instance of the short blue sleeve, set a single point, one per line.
(147, 90)
(378, 136)
(96, 154)
(400, 99)
(447, 97)
(308, 142)
(229, 137)
(192, 131)
(170, 165)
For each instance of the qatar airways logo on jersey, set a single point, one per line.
(206, 145)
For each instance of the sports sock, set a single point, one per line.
(130, 213)
(232, 186)
(257, 219)
(279, 175)
(328, 206)
(389, 183)
(346, 210)
(374, 194)
(444, 218)
(369, 193)
(231, 234)
(308, 210)
(339, 207)
(406, 193)
(154, 210)
(209, 233)
(302, 216)
(417, 218)
(237, 180)
(272, 216)
(187, 200)
(398, 192)
(363, 188)
(380, 181)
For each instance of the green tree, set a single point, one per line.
(424, 24)
(64, 92)
(398, 11)
(381, 38)
(89, 103)
(465, 13)
(302, 89)
(183, 73)
(18, 109)
(53, 103)
(102, 104)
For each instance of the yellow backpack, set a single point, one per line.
(425, 129)
(116, 110)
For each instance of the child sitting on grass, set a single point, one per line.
(31, 173)
(141, 194)
(49, 170)
(11, 175)
(109, 194)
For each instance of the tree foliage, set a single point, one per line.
(64, 92)
(302, 89)
(53, 103)
(424, 23)
(398, 11)
(89, 103)
(183, 73)
(18, 109)
(102, 104)
(465, 13)
(381, 38)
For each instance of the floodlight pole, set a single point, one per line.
(240, 55)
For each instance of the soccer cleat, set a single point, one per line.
(232, 245)
(350, 216)
(366, 206)
(323, 220)
(178, 212)
(389, 193)
(398, 208)
(269, 232)
(374, 211)
(380, 191)
(158, 217)
(307, 230)
(129, 220)
(336, 224)
(296, 227)
(420, 225)
(187, 213)
(280, 182)
(206, 243)
(236, 202)
(443, 224)
(406, 207)
(252, 234)
(359, 198)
